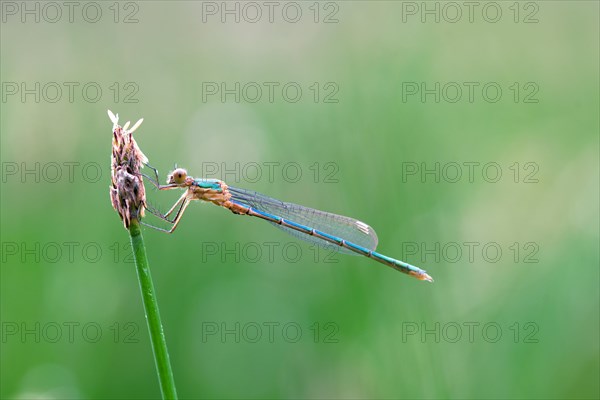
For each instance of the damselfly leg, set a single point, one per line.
(180, 205)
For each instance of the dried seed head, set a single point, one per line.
(127, 192)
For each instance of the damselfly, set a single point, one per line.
(319, 227)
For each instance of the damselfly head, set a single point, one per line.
(177, 177)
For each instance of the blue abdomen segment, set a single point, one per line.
(311, 232)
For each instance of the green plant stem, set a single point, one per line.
(157, 336)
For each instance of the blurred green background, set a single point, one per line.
(244, 321)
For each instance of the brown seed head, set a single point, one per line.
(127, 192)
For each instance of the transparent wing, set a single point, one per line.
(349, 229)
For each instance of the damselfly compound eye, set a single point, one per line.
(177, 177)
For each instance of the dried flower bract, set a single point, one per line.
(127, 192)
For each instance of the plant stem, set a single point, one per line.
(157, 336)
